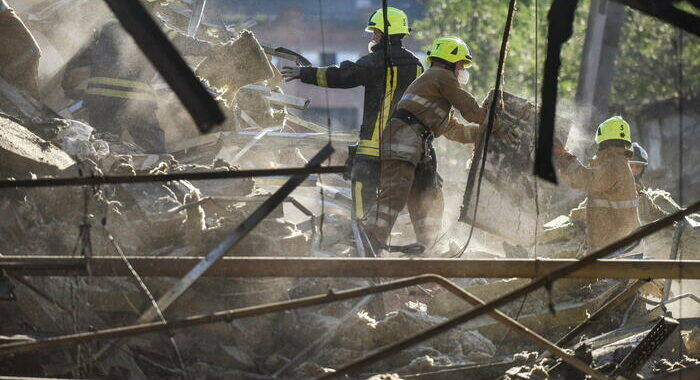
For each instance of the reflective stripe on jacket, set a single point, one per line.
(383, 87)
(119, 69)
(432, 97)
(120, 88)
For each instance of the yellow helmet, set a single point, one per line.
(398, 21)
(452, 50)
(615, 128)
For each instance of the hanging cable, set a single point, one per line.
(482, 150)
(537, 205)
(681, 199)
(328, 122)
(537, 124)
(150, 297)
(388, 79)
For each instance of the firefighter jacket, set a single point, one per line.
(611, 207)
(119, 70)
(383, 87)
(432, 99)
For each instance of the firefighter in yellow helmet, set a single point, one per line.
(19, 52)
(383, 89)
(408, 163)
(648, 210)
(611, 205)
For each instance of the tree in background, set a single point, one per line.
(647, 64)
(481, 24)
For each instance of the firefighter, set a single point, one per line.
(20, 53)
(611, 205)
(408, 163)
(648, 210)
(383, 89)
(119, 95)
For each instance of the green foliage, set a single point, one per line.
(646, 66)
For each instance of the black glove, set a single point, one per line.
(290, 73)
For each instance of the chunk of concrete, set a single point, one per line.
(236, 64)
(23, 152)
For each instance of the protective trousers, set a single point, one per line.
(365, 182)
(19, 53)
(418, 187)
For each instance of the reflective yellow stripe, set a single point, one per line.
(120, 94)
(121, 83)
(369, 143)
(368, 152)
(321, 77)
(390, 90)
(419, 71)
(359, 204)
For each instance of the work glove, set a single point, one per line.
(504, 127)
(290, 73)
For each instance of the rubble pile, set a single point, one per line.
(190, 218)
(177, 218)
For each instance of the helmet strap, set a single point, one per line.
(442, 63)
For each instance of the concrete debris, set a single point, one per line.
(507, 185)
(691, 341)
(239, 63)
(391, 376)
(24, 152)
(664, 366)
(183, 218)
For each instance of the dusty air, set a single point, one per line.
(350, 189)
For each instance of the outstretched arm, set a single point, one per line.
(347, 75)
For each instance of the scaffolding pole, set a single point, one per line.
(331, 296)
(350, 267)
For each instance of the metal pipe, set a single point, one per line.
(228, 243)
(544, 281)
(610, 305)
(331, 296)
(675, 246)
(345, 267)
(191, 176)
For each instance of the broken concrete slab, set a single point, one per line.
(24, 152)
(508, 189)
(21, 105)
(236, 64)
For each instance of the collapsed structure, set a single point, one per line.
(606, 323)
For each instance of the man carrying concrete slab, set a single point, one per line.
(611, 206)
(408, 163)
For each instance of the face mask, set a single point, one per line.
(370, 45)
(463, 76)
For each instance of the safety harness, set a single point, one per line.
(425, 134)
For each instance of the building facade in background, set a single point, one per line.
(338, 36)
